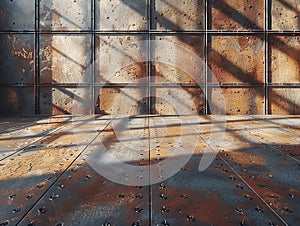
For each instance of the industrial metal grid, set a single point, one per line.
(272, 27)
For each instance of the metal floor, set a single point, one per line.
(48, 176)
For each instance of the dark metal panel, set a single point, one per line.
(83, 197)
(121, 100)
(15, 140)
(238, 101)
(285, 15)
(285, 59)
(62, 100)
(65, 59)
(176, 15)
(236, 59)
(284, 101)
(179, 59)
(65, 15)
(40, 165)
(17, 15)
(236, 15)
(270, 173)
(17, 100)
(178, 100)
(215, 196)
(17, 58)
(120, 59)
(126, 15)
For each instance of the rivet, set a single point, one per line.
(88, 177)
(106, 224)
(258, 209)
(53, 197)
(164, 209)
(162, 196)
(162, 186)
(137, 223)
(292, 196)
(165, 223)
(137, 209)
(16, 210)
(12, 196)
(42, 210)
(285, 208)
(190, 218)
(184, 196)
(239, 210)
(138, 196)
(248, 197)
(121, 196)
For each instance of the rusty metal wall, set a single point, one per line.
(54, 51)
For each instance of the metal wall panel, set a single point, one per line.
(127, 15)
(285, 15)
(177, 15)
(237, 15)
(60, 65)
(17, 58)
(60, 44)
(65, 15)
(174, 101)
(284, 101)
(120, 59)
(61, 100)
(239, 101)
(121, 100)
(168, 65)
(17, 15)
(236, 59)
(20, 100)
(285, 59)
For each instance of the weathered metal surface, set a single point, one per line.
(285, 61)
(87, 198)
(168, 65)
(17, 58)
(17, 100)
(285, 15)
(174, 101)
(267, 171)
(60, 100)
(40, 165)
(216, 196)
(237, 59)
(238, 101)
(249, 182)
(17, 15)
(178, 15)
(10, 124)
(65, 15)
(237, 15)
(65, 59)
(285, 127)
(120, 59)
(121, 101)
(126, 15)
(285, 101)
(15, 140)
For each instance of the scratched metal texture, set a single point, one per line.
(17, 15)
(61, 45)
(253, 180)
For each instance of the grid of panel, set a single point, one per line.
(252, 49)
